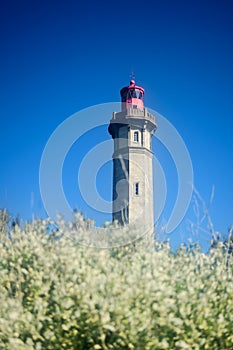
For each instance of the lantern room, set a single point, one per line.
(132, 96)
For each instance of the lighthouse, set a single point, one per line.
(132, 129)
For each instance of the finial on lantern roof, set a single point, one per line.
(132, 82)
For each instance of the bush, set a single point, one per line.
(56, 294)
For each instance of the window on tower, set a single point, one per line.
(135, 136)
(136, 189)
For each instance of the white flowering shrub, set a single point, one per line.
(57, 294)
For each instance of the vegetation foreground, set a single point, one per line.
(57, 294)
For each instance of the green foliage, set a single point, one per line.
(56, 294)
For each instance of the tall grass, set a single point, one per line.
(57, 294)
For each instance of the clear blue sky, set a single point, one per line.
(58, 57)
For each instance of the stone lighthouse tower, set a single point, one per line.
(132, 131)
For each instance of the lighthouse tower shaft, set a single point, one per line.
(132, 130)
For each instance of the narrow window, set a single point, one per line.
(137, 189)
(135, 136)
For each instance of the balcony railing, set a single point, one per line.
(135, 113)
